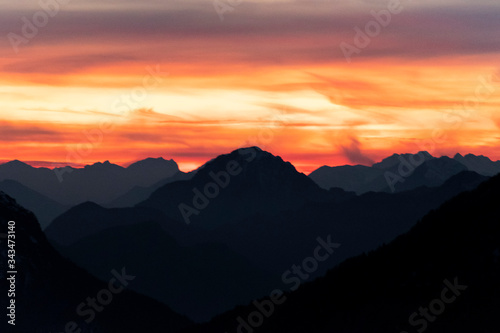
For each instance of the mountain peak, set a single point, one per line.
(158, 162)
(480, 164)
(258, 149)
(478, 157)
(16, 164)
(103, 165)
(395, 159)
(248, 158)
(248, 181)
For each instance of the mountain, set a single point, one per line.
(392, 162)
(100, 182)
(363, 179)
(480, 164)
(44, 208)
(401, 172)
(141, 193)
(54, 295)
(151, 170)
(347, 177)
(244, 183)
(431, 173)
(89, 218)
(198, 281)
(271, 239)
(360, 224)
(441, 276)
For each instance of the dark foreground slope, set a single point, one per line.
(49, 289)
(442, 276)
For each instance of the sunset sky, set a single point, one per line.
(124, 80)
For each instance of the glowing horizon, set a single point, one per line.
(102, 81)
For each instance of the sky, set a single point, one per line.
(316, 82)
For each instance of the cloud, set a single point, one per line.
(263, 34)
(353, 152)
(67, 63)
(11, 132)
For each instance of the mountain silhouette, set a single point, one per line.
(441, 276)
(90, 218)
(431, 173)
(401, 172)
(392, 162)
(50, 289)
(353, 178)
(43, 207)
(480, 164)
(246, 182)
(141, 193)
(197, 281)
(360, 224)
(258, 224)
(100, 182)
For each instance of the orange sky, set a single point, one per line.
(271, 73)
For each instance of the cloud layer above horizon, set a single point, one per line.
(83, 81)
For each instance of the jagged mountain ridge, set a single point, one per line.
(100, 182)
(400, 172)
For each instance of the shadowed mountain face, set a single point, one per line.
(431, 173)
(198, 281)
(275, 242)
(442, 276)
(246, 182)
(43, 207)
(140, 193)
(480, 164)
(402, 172)
(50, 290)
(355, 178)
(100, 182)
(90, 218)
(258, 224)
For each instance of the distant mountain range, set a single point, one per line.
(49, 290)
(114, 186)
(401, 172)
(100, 182)
(48, 193)
(266, 216)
